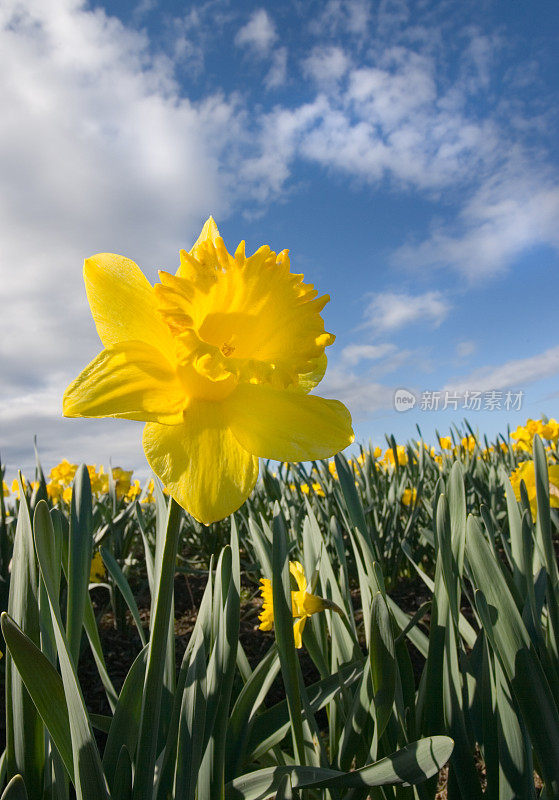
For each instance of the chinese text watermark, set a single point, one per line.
(467, 400)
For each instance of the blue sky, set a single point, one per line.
(404, 151)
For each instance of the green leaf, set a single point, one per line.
(120, 580)
(80, 551)
(510, 641)
(414, 763)
(383, 663)
(24, 729)
(157, 654)
(44, 685)
(126, 719)
(15, 790)
(89, 780)
(191, 726)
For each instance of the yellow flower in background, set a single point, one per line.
(401, 453)
(332, 470)
(469, 443)
(54, 491)
(5, 489)
(409, 497)
(550, 430)
(15, 487)
(527, 473)
(303, 603)
(445, 443)
(63, 473)
(133, 492)
(97, 572)
(316, 487)
(218, 360)
(67, 495)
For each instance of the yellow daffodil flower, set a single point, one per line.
(526, 472)
(97, 572)
(5, 489)
(469, 443)
(409, 497)
(303, 603)
(54, 491)
(445, 443)
(401, 453)
(218, 360)
(63, 473)
(316, 487)
(550, 430)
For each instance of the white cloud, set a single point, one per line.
(99, 153)
(513, 374)
(326, 65)
(465, 349)
(342, 16)
(277, 74)
(389, 311)
(352, 354)
(259, 33)
(361, 394)
(508, 214)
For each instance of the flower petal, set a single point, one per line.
(298, 626)
(130, 380)
(201, 463)
(287, 426)
(123, 303)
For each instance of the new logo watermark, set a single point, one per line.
(404, 400)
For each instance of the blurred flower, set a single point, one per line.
(133, 492)
(97, 572)
(316, 487)
(63, 473)
(401, 454)
(303, 604)
(409, 497)
(218, 360)
(5, 489)
(445, 443)
(54, 491)
(527, 473)
(550, 430)
(332, 469)
(469, 443)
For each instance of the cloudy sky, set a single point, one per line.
(405, 151)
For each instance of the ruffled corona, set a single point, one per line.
(218, 360)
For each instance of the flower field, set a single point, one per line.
(362, 621)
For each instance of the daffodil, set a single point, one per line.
(218, 360)
(445, 443)
(97, 571)
(526, 472)
(409, 496)
(303, 603)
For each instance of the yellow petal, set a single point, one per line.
(201, 463)
(123, 303)
(130, 380)
(296, 569)
(298, 626)
(288, 426)
(209, 233)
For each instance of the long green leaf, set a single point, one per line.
(44, 685)
(89, 780)
(79, 559)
